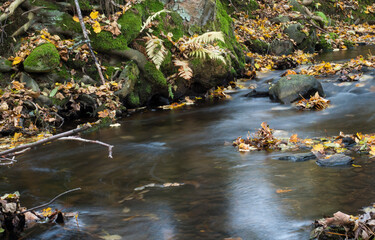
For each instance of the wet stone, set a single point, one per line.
(335, 161)
(298, 157)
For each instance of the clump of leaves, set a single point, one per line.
(315, 102)
(262, 140)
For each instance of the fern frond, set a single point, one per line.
(199, 53)
(155, 50)
(208, 37)
(216, 55)
(151, 18)
(184, 70)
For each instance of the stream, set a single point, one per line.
(226, 194)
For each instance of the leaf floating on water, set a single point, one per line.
(357, 166)
(294, 138)
(283, 190)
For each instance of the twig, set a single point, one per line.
(49, 139)
(84, 31)
(90, 141)
(53, 199)
(11, 9)
(32, 10)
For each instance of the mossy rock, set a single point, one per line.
(209, 73)
(293, 87)
(5, 65)
(324, 45)
(258, 46)
(154, 75)
(42, 59)
(326, 20)
(129, 76)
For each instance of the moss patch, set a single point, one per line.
(104, 41)
(154, 75)
(43, 58)
(67, 24)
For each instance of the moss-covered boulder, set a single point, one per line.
(44, 58)
(209, 73)
(5, 65)
(128, 77)
(290, 88)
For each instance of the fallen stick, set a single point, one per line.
(53, 199)
(90, 141)
(84, 31)
(13, 6)
(49, 139)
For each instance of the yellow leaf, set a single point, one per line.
(96, 27)
(356, 165)
(318, 148)
(372, 150)
(94, 14)
(17, 136)
(75, 19)
(16, 60)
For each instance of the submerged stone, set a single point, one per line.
(298, 157)
(335, 160)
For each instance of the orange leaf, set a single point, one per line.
(283, 190)
(75, 19)
(294, 138)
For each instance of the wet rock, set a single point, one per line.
(280, 19)
(335, 160)
(290, 88)
(281, 47)
(348, 142)
(257, 46)
(298, 157)
(210, 73)
(87, 80)
(43, 101)
(258, 92)
(5, 65)
(294, 31)
(30, 82)
(42, 59)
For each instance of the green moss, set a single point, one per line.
(133, 100)
(63, 72)
(67, 24)
(104, 41)
(131, 24)
(259, 46)
(43, 58)
(333, 36)
(45, 4)
(349, 44)
(154, 75)
(324, 17)
(324, 45)
(85, 5)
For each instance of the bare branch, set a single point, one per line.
(11, 9)
(84, 31)
(49, 139)
(90, 141)
(53, 199)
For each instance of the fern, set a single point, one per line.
(211, 53)
(208, 38)
(155, 50)
(151, 18)
(184, 70)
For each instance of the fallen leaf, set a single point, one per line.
(283, 190)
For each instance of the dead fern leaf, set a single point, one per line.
(208, 38)
(155, 50)
(184, 70)
(151, 18)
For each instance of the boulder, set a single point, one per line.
(30, 82)
(261, 91)
(280, 19)
(42, 59)
(281, 47)
(290, 88)
(43, 101)
(257, 46)
(5, 65)
(294, 32)
(298, 157)
(335, 160)
(129, 77)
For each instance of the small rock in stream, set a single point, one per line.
(335, 161)
(298, 157)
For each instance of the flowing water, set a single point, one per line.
(226, 193)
